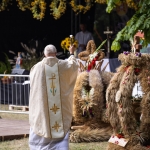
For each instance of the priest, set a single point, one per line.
(51, 100)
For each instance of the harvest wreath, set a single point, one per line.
(119, 103)
(24, 4)
(58, 8)
(4, 4)
(80, 8)
(38, 9)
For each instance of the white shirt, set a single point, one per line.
(83, 38)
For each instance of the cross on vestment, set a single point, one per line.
(56, 126)
(108, 33)
(54, 108)
(52, 84)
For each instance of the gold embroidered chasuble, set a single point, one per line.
(54, 102)
(51, 95)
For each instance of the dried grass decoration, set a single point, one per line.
(38, 9)
(121, 108)
(24, 4)
(87, 102)
(89, 120)
(4, 4)
(90, 48)
(58, 8)
(122, 87)
(80, 8)
(95, 56)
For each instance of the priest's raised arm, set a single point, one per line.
(51, 100)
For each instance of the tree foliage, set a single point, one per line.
(139, 21)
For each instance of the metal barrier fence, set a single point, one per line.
(14, 93)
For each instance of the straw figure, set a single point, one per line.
(90, 123)
(120, 107)
(91, 47)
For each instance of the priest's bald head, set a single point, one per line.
(50, 50)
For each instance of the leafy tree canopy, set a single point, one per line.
(139, 21)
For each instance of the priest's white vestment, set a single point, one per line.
(51, 101)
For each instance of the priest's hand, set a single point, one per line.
(72, 49)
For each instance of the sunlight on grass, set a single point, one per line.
(88, 146)
(14, 116)
(22, 144)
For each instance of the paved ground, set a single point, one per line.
(10, 129)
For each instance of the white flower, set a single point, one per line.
(92, 56)
(71, 36)
(92, 91)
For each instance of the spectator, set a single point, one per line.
(83, 37)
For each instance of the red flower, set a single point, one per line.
(95, 59)
(148, 146)
(93, 62)
(120, 136)
(125, 69)
(89, 67)
(137, 70)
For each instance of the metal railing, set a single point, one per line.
(14, 93)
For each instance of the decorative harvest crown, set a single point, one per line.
(91, 62)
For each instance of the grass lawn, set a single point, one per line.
(22, 144)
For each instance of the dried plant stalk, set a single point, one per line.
(110, 98)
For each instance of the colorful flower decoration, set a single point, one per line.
(120, 135)
(65, 44)
(24, 4)
(4, 4)
(58, 9)
(93, 57)
(38, 9)
(137, 70)
(126, 52)
(80, 8)
(138, 54)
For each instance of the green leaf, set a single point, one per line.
(101, 45)
(115, 46)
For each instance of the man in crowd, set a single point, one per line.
(51, 100)
(83, 37)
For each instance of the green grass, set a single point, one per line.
(22, 144)
(88, 146)
(14, 116)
